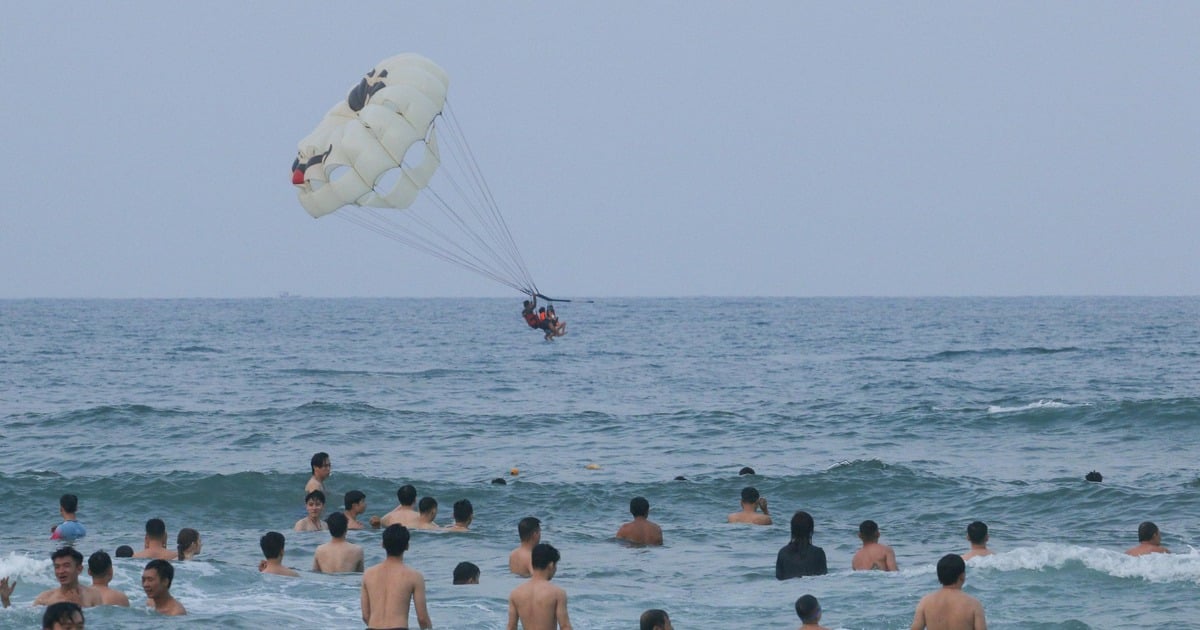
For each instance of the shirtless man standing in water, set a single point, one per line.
(949, 608)
(641, 530)
(537, 604)
(977, 535)
(520, 561)
(751, 501)
(873, 556)
(1149, 541)
(388, 587)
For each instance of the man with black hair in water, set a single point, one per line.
(520, 561)
(390, 586)
(338, 555)
(99, 567)
(872, 556)
(800, 557)
(155, 542)
(751, 501)
(977, 535)
(63, 616)
(404, 514)
(655, 619)
(157, 578)
(949, 608)
(1149, 541)
(68, 565)
(537, 604)
(641, 530)
(808, 609)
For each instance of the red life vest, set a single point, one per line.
(531, 318)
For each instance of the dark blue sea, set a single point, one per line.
(921, 414)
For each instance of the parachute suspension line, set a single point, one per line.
(501, 234)
(374, 221)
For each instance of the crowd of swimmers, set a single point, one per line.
(391, 587)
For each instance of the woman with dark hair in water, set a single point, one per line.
(800, 557)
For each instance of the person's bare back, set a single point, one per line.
(387, 590)
(949, 609)
(538, 605)
(519, 561)
(874, 556)
(110, 596)
(338, 556)
(641, 531)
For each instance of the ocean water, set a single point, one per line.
(921, 414)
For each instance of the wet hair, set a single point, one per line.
(653, 618)
(750, 494)
(977, 532)
(527, 526)
(950, 568)
(338, 523)
(315, 494)
(61, 612)
(406, 495)
(543, 554)
(352, 497)
(395, 540)
(186, 538)
(318, 461)
(164, 570)
(639, 506)
(463, 510)
(272, 545)
(157, 529)
(69, 503)
(499, 481)
(64, 552)
(525, 303)
(868, 530)
(464, 572)
(426, 504)
(680, 478)
(124, 551)
(746, 470)
(1094, 476)
(802, 530)
(808, 609)
(1146, 531)
(99, 563)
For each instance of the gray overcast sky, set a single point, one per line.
(636, 148)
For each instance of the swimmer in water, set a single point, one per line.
(949, 608)
(977, 535)
(321, 469)
(873, 556)
(538, 604)
(390, 586)
(157, 578)
(800, 557)
(338, 555)
(404, 514)
(101, 571)
(464, 513)
(809, 611)
(641, 530)
(751, 501)
(1149, 541)
(272, 544)
(520, 560)
(314, 503)
(155, 542)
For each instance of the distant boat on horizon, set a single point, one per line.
(284, 295)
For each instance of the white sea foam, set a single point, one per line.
(1175, 567)
(26, 569)
(1041, 404)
